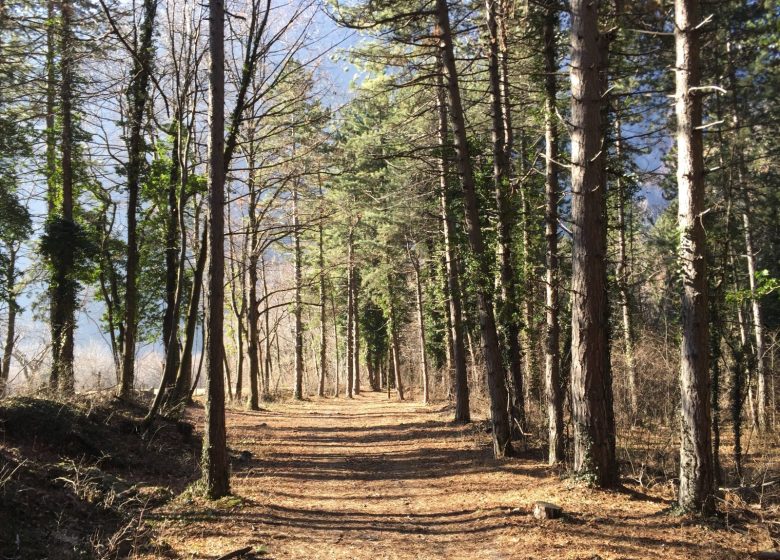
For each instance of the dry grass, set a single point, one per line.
(76, 478)
(370, 478)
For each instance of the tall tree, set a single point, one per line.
(552, 353)
(350, 311)
(501, 135)
(414, 258)
(138, 96)
(322, 294)
(356, 329)
(490, 348)
(215, 460)
(696, 470)
(252, 267)
(622, 272)
(591, 378)
(64, 286)
(298, 306)
(462, 412)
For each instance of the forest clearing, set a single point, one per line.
(389, 278)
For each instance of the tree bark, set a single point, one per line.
(696, 472)
(552, 368)
(215, 460)
(490, 347)
(591, 378)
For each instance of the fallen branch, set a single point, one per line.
(755, 487)
(236, 553)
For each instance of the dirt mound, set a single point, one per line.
(76, 478)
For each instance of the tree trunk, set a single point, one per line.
(527, 335)
(172, 359)
(396, 350)
(506, 306)
(252, 314)
(64, 286)
(170, 324)
(336, 368)
(696, 472)
(421, 330)
(298, 390)
(356, 319)
(254, 339)
(238, 394)
(323, 335)
(593, 416)
(184, 377)
(179, 177)
(13, 308)
(448, 380)
(716, 338)
(215, 460)
(137, 99)
(350, 315)
(454, 303)
(267, 320)
(762, 394)
(228, 376)
(51, 107)
(495, 371)
(370, 367)
(51, 174)
(623, 275)
(552, 368)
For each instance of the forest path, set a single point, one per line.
(373, 478)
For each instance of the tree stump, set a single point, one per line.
(546, 510)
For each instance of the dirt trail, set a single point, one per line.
(375, 479)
